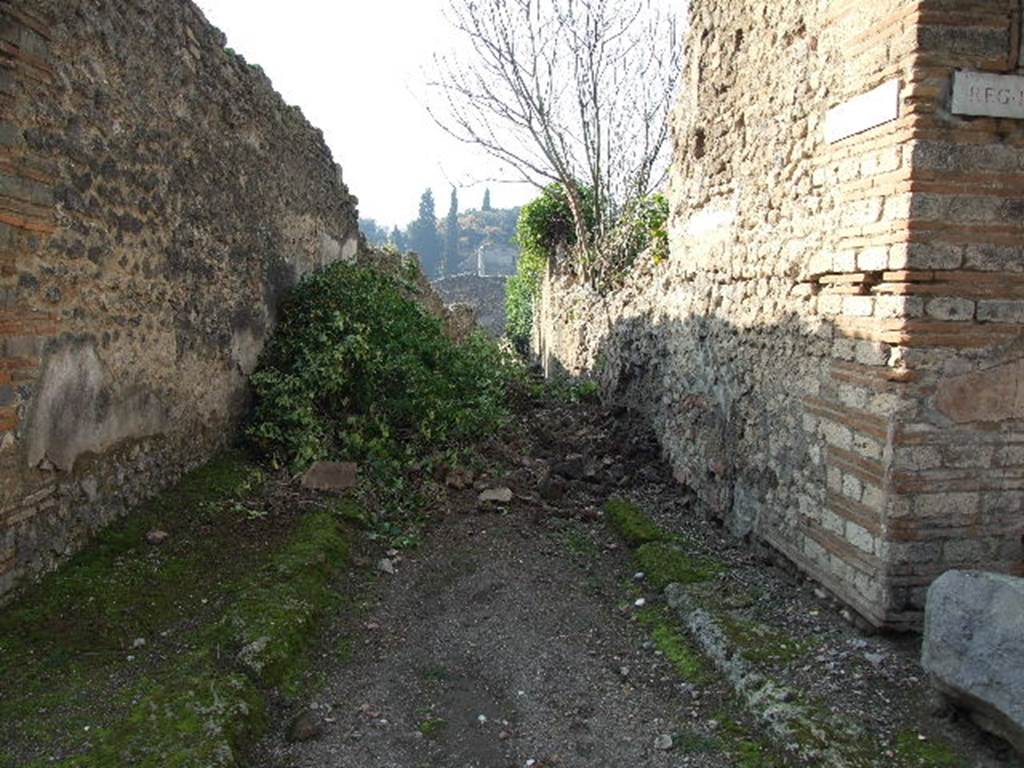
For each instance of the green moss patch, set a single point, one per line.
(761, 643)
(432, 726)
(685, 657)
(665, 564)
(631, 523)
(177, 641)
(912, 750)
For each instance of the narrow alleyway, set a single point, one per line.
(521, 634)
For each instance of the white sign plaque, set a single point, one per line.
(985, 95)
(864, 112)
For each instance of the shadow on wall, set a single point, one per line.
(787, 438)
(725, 406)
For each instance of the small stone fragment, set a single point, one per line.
(495, 496)
(572, 468)
(386, 566)
(157, 537)
(663, 742)
(551, 489)
(305, 726)
(331, 476)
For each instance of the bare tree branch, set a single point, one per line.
(577, 92)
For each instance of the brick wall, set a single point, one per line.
(828, 351)
(156, 197)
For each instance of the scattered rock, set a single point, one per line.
(460, 478)
(305, 726)
(157, 537)
(973, 625)
(573, 467)
(331, 476)
(139, 642)
(875, 659)
(551, 488)
(663, 742)
(495, 496)
(386, 566)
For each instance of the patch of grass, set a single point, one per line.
(274, 615)
(631, 523)
(579, 543)
(665, 564)
(760, 643)
(181, 694)
(432, 726)
(747, 750)
(926, 753)
(693, 743)
(685, 657)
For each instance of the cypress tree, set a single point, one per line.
(451, 236)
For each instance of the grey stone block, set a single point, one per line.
(974, 647)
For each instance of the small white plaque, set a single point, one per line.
(985, 95)
(862, 113)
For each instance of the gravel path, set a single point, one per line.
(509, 638)
(503, 649)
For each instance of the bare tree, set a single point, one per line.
(570, 91)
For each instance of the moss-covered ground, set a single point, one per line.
(180, 642)
(665, 559)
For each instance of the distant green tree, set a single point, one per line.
(423, 237)
(487, 200)
(374, 233)
(451, 236)
(399, 240)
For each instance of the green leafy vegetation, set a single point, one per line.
(545, 226)
(357, 370)
(546, 232)
(432, 726)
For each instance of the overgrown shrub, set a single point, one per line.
(546, 229)
(357, 370)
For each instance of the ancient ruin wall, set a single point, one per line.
(830, 353)
(156, 197)
(486, 295)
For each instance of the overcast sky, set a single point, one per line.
(355, 68)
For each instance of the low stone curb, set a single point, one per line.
(795, 727)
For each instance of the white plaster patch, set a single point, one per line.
(78, 410)
(862, 113)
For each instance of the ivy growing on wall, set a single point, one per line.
(546, 232)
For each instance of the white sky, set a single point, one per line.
(355, 67)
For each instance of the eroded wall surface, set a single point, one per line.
(832, 352)
(156, 197)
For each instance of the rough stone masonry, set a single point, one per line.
(833, 353)
(156, 197)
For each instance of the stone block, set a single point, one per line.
(973, 625)
(331, 476)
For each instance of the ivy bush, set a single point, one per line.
(357, 370)
(546, 228)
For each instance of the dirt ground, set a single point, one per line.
(511, 636)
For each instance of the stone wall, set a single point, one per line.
(832, 353)
(486, 295)
(156, 197)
